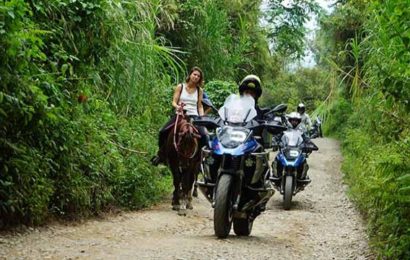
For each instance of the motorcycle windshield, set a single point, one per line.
(292, 137)
(238, 109)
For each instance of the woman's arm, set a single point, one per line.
(177, 94)
(207, 110)
(200, 106)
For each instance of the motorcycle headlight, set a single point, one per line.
(292, 153)
(231, 137)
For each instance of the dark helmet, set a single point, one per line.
(301, 108)
(251, 82)
(294, 119)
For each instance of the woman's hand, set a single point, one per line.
(180, 108)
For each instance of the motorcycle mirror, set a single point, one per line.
(208, 122)
(274, 129)
(281, 108)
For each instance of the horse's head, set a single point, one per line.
(187, 139)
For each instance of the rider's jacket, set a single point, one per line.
(306, 123)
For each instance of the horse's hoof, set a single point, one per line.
(175, 207)
(182, 212)
(189, 206)
(195, 193)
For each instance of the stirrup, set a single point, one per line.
(156, 160)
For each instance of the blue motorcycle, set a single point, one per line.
(291, 164)
(235, 166)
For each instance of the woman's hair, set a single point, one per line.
(201, 81)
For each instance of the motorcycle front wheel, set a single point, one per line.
(287, 192)
(223, 207)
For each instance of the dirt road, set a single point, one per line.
(322, 224)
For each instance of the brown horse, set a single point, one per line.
(183, 158)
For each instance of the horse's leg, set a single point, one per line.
(189, 201)
(188, 182)
(182, 207)
(191, 189)
(177, 184)
(185, 191)
(195, 192)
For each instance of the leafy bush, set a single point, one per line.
(71, 145)
(380, 189)
(307, 85)
(219, 90)
(371, 117)
(337, 117)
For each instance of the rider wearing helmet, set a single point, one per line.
(306, 123)
(251, 85)
(294, 120)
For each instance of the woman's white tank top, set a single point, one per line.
(190, 101)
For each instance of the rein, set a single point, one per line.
(175, 131)
(187, 125)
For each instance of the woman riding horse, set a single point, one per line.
(178, 139)
(183, 157)
(188, 93)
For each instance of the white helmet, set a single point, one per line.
(251, 82)
(301, 108)
(294, 119)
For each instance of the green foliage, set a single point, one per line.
(72, 144)
(219, 90)
(380, 189)
(224, 38)
(286, 23)
(337, 29)
(25, 189)
(370, 115)
(307, 85)
(209, 37)
(388, 47)
(338, 113)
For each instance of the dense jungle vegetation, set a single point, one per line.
(86, 84)
(366, 45)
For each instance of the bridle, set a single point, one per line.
(186, 127)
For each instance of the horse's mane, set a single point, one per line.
(188, 137)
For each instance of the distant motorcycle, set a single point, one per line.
(316, 130)
(291, 165)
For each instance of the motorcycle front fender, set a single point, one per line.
(288, 172)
